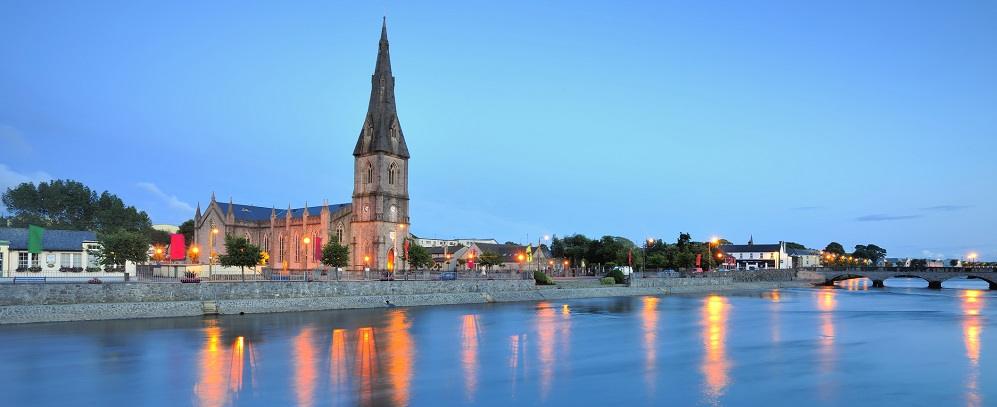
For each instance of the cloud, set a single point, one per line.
(13, 141)
(880, 217)
(171, 200)
(946, 208)
(10, 178)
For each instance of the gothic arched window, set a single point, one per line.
(297, 248)
(394, 214)
(339, 234)
(370, 173)
(391, 174)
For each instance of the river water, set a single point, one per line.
(852, 345)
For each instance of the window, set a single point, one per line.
(297, 248)
(1, 261)
(339, 234)
(22, 260)
(370, 173)
(266, 243)
(391, 174)
(64, 260)
(281, 242)
(77, 259)
(393, 214)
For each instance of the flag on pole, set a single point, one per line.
(318, 247)
(178, 247)
(35, 239)
(529, 253)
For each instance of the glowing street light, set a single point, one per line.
(307, 240)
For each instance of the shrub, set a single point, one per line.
(607, 280)
(93, 269)
(617, 275)
(35, 269)
(542, 279)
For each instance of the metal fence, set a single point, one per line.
(174, 274)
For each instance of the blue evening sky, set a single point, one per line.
(854, 121)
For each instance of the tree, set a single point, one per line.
(67, 204)
(835, 248)
(794, 245)
(240, 253)
(122, 246)
(870, 252)
(335, 254)
(489, 259)
(158, 237)
(418, 257)
(187, 230)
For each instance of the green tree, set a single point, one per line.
(240, 253)
(335, 254)
(67, 204)
(187, 230)
(489, 259)
(419, 257)
(870, 252)
(835, 248)
(122, 246)
(158, 237)
(794, 245)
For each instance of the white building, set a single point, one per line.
(64, 254)
(429, 242)
(753, 256)
(804, 258)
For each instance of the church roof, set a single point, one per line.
(381, 130)
(259, 213)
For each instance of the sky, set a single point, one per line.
(850, 121)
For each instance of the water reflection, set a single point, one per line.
(221, 370)
(715, 364)
(402, 352)
(366, 361)
(649, 324)
(775, 312)
(338, 371)
(305, 371)
(210, 388)
(855, 284)
(469, 354)
(972, 303)
(826, 303)
(551, 327)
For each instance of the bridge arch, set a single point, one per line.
(991, 282)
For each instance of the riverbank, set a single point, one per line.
(81, 302)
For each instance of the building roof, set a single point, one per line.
(52, 239)
(749, 248)
(259, 213)
(381, 130)
(439, 249)
(803, 252)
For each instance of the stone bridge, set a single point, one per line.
(934, 276)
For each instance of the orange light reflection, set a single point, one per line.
(972, 328)
(305, 372)
(649, 323)
(469, 354)
(715, 364)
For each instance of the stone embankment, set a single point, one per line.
(78, 302)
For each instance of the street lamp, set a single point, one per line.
(647, 245)
(972, 257)
(307, 240)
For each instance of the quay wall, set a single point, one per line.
(30, 303)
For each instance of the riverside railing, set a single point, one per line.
(178, 273)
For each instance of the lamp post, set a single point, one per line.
(211, 249)
(366, 266)
(307, 240)
(647, 244)
(715, 241)
(972, 257)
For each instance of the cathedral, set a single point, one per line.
(373, 226)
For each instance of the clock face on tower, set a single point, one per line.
(366, 209)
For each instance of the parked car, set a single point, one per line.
(448, 275)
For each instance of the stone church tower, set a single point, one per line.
(380, 179)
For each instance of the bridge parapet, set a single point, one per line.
(934, 276)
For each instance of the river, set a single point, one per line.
(851, 345)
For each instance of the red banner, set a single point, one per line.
(178, 248)
(318, 248)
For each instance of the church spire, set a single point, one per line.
(381, 131)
